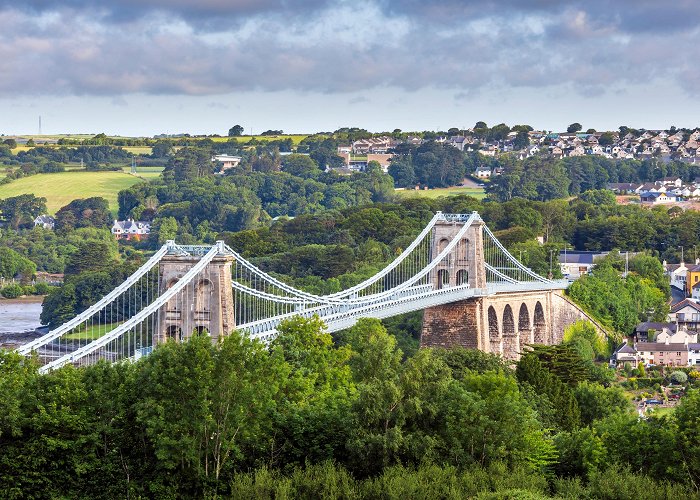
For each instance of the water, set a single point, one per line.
(21, 315)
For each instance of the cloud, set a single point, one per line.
(179, 47)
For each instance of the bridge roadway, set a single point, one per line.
(340, 317)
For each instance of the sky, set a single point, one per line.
(145, 67)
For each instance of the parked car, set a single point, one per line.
(653, 402)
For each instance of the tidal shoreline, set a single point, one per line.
(19, 320)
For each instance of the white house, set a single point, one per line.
(694, 355)
(680, 336)
(128, 229)
(45, 221)
(677, 274)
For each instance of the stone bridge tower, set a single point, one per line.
(465, 264)
(203, 306)
(501, 323)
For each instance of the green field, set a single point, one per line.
(138, 150)
(144, 172)
(62, 188)
(435, 193)
(91, 332)
(296, 139)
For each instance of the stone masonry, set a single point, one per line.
(203, 306)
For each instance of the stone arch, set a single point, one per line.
(442, 244)
(462, 277)
(173, 332)
(202, 299)
(539, 325)
(463, 251)
(524, 328)
(174, 305)
(510, 338)
(508, 322)
(443, 276)
(201, 330)
(494, 332)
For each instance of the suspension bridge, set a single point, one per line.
(455, 269)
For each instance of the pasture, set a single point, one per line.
(477, 193)
(243, 139)
(61, 188)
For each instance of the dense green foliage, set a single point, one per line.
(308, 418)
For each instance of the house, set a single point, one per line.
(655, 353)
(648, 330)
(626, 354)
(686, 314)
(695, 292)
(692, 277)
(673, 181)
(623, 187)
(483, 172)
(130, 229)
(694, 355)
(45, 221)
(384, 159)
(656, 198)
(575, 264)
(227, 161)
(676, 274)
(680, 336)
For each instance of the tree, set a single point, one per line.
(521, 141)
(161, 149)
(606, 139)
(11, 143)
(300, 166)
(235, 131)
(573, 128)
(13, 264)
(22, 209)
(88, 212)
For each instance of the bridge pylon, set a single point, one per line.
(205, 306)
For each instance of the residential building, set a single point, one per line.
(45, 221)
(575, 264)
(227, 161)
(626, 354)
(130, 229)
(686, 314)
(654, 353)
(676, 274)
(694, 355)
(648, 330)
(692, 277)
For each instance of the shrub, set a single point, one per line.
(41, 288)
(12, 291)
(678, 377)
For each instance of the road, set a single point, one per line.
(676, 295)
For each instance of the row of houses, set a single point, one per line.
(685, 277)
(650, 144)
(666, 190)
(670, 347)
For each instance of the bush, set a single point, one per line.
(678, 377)
(41, 288)
(12, 291)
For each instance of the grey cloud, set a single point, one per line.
(71, 54)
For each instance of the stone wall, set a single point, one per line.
(455, 324)
(503, 323)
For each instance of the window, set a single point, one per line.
(678, 354)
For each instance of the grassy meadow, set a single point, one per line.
(61, 188)
(296, 139)
(477, 193)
